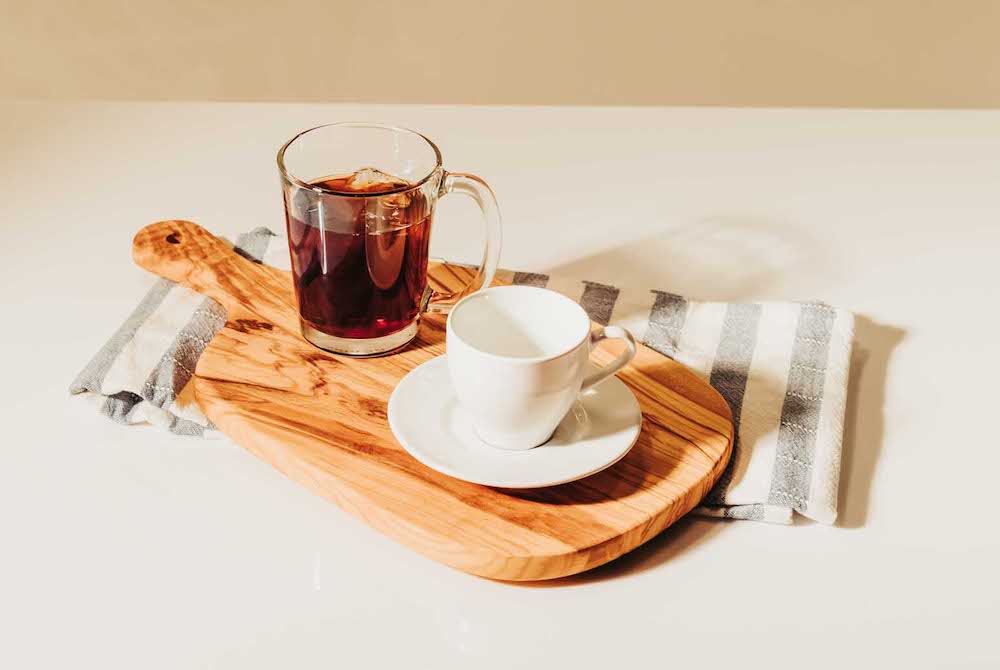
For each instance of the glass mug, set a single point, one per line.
(359, 205)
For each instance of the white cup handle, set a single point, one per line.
(613, 333)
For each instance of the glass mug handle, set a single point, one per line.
(440, 302)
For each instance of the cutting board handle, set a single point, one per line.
(188, 254)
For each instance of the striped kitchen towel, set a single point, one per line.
(781, 366)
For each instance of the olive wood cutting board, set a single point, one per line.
(320, 419)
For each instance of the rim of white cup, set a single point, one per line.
(450, 331)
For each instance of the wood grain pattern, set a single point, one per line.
(321, 420)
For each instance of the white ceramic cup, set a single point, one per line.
(518, 358)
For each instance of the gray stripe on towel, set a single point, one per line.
(176, 366)
(666, 320)
(800, 412)
(729, 377)
(118, 406)
(179, 426)
(253, 245)
(752, 512)
(530, 279)
(92, 377)
(598, 300)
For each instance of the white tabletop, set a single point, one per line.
(128, 547)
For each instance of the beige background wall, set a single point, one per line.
(876, 53)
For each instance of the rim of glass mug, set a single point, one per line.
(287, 174)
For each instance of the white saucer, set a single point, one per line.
(425, 417)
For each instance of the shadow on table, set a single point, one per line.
(724, 258)
(864, 422)
(685, 535)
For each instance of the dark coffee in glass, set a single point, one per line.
(366, 276)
